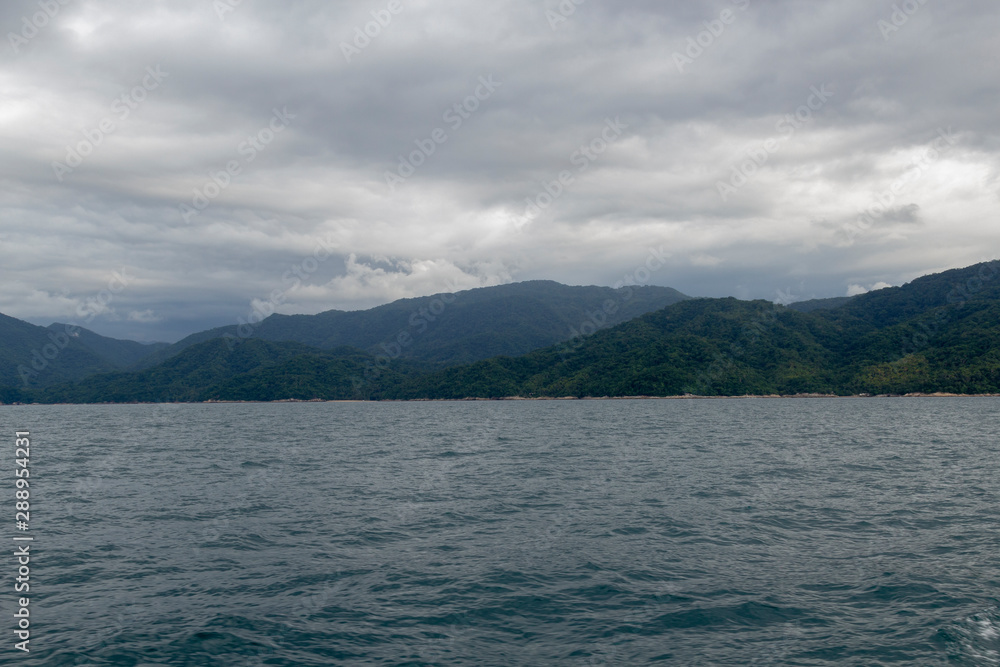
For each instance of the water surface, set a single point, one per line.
(726, 532)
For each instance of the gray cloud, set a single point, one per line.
(462, 218)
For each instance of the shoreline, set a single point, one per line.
(686, 397)
(694, 397)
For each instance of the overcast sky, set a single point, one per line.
(222, 155)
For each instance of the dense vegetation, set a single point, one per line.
(454, 328)
(253, 370)
(34, 356)
(940, 333)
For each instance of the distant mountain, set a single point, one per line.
(121, 353)
(34, 356)
(939, 333)
(455, 328)
(700, 346)
(443, 328)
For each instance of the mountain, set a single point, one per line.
(455, 328)
(701, 346)
(254, 370)
(34, 356)
(121, 353)
(939, 333)
(443, 328)
(819, 304)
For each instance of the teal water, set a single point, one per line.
(715, 532)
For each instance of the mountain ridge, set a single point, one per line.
(32, 355)
(939, 333)
(539, 313)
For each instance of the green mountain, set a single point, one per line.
(819, 304)
(939, 333)
(443, 329)
(256, 370)
(454, 328)
(121, 353)
(34, 356)
(701, 346)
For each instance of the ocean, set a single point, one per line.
(616, 532)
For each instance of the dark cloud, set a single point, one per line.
(709, 96)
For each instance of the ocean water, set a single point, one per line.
(687, 532)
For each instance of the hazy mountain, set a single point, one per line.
(938, 333)
(455, 328)
(122, 353)
(37, 356)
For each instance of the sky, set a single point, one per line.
(166, 167)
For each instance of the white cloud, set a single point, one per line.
(375, 281)
(702, 259)
(855, 290)
(144, 316)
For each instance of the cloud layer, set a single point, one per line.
(347, 154)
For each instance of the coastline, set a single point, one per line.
(548, 398)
